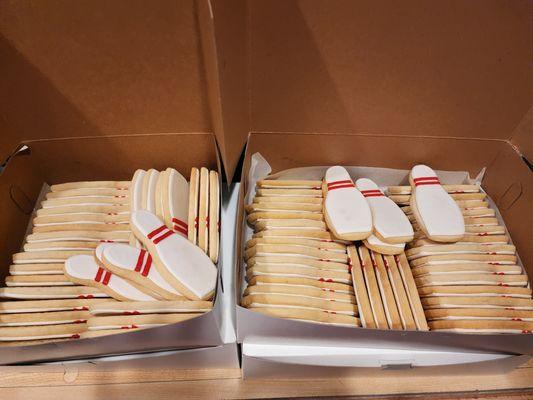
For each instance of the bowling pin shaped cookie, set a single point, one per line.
(390, 223)
(136, 190)
(84, 270)
(136, 265)
(182, 264)
(346, 211)
(176, 202)
(436, 212)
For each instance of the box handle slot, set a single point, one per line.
(510, 196)
(21, 200)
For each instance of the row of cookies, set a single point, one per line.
(192, 210)
(473, 285)
(294, 268)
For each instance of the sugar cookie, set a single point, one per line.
(390, 223)
(38, 257)
(120, 200)
(150, 307)
(301, 225)
(82, 227)
(90, 184)
(302, 215)
(182, 264)
(37, 280)
(479, 314)
(295, 261)
(494, 259)
(307, 243)
(405, 199)
(86, 236)
(135, 265)
(194, 195)
(145, 188)
(203, 210)
(41, 306)
(84, 209)
(283, 207)
(471, 279)
(176, 202)
(475, 291)
(300, 290)
(289, 184)
(44, 318)
(400, 295)
(104, 332)
(305, 282)
(161, 182)
(308, 234)
(298, 302)
(411, 291)
(80, 219)
(459, 248)
(467, 212)
(136, 191)
(487, 239)
(309, 316)
(387, 295)
(472, 268)
(482, 326)
(214, 216)
(260, 250)
(84, 270)
(51, 292)
(60, 245)
(70, 331)
(480, 301)
(363, 302)
(373, 289)
(292, 200)
(346, 211)
(373, 243)
(436, 212)
(289, 192)
(87, 192)
(299, 272)
(448, 188)
(36, 269)
(136, 321)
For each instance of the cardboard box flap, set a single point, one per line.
(458, 69)
(91, 68)
(522, 138)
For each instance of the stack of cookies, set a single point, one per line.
(470, 284)
(78, 256)
(295, 267)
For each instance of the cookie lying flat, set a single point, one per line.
(88, 192)
(487, 239)
(44, 318)
(136, 321)
(78, 236)
(299, 272)
(280, 207)
(494, 259)
(84, 209)
(298, 302)
(289, 184)
(176, 202)
(299, 290)
(458, 248)
(387, 294)
(182, 264)
(471, 279)
(282, 280)
(60, 245)
(400, 295)
(84, 270)
(135, 265)
(65, 219)
(261, 250)
(203, 210)
(43, 306)
(361, 293)
(436, 212)
(448, 188)
(307, 243)
(37, 280)
(295, 261)
(411, 291)
(481, 301)
(309, 316)
(214, 216)
(308, 234)
(301, 215)
(302, 225)
(69, 331)
(346, 211)
(90, 184)
(374, 295)
(472, 268)
(51, 292)
(36, 269)
(390, 223)
(482, 326)
(475, 291)
(112, 227)
(194, 195)
(288, 200)
(150, 307)
(40, 257)
(479, 314)
(289, 192)
(373, 243)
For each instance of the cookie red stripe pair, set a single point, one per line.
(102, 273)
(144, 263)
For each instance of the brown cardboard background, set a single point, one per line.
(96, 67)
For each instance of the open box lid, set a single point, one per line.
(459, 70)
(90, 68)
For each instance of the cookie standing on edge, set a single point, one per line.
(194, 194)
(203, 211)
(214, 216)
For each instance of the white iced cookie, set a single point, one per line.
(182, 264)
(346, 211)
(136, 265)
(436, 212)
(390, 223)
(84, 270)
(177, 200)
(149, 184)
(374, 244)
(136, 190)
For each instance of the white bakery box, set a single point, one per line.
(355, 84)
(94, 91)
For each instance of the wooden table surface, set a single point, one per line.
(182, 384)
